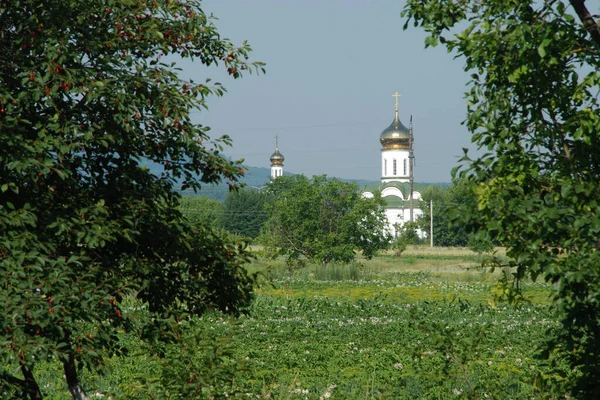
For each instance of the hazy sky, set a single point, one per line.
(332, 67)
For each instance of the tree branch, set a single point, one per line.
(11, 379)
(586, 18)
(29, 384)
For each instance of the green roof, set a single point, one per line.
(404, 187)
(397, 202)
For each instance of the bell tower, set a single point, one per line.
(395, 142)
(276, 161)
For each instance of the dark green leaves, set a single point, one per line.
(533, 105)
(85, 96)
(322, 219)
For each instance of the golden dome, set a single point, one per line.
(277, 158)
(396, 136)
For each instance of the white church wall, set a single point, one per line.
(397, 217)
(402, 166)
(276, 171)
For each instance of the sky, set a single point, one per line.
(332, 68)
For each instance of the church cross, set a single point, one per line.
(276, 141)
(396, 95)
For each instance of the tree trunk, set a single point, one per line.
(72, 379)
(29, 383)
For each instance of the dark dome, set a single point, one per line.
(277, 158)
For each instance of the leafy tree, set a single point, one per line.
(203, 211)
(444, 233)
(245, 212)
(323, 219)
(85, 96)
(448, 204)
(533, 106)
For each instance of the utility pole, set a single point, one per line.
(411, 162)
(431, 223)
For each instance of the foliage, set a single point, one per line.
(395, 332)
(322, 219)
(533, 106)
(446, 202)
(245, 213)
(406, 234)
(85, 96)
(203, 211)
(199, 366)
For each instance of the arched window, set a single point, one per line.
(405, 166)
(394, 163)
(385, 167)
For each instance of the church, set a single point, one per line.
(397, 183)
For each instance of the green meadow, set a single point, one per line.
(421, 326)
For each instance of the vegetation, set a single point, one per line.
(424, 326)
(203, 211)
(85, 230)
(446, 203)
(533, 107)
(245, 212)
(405, 235)
(323, 220)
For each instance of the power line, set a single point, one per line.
(291, 127)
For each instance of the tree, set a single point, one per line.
(448, 204)
(533, 106)
(203, 211)
(323, 220)
(444, 233)
(86, 95)
(245, 212)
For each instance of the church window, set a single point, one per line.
(384, 167)
(394, 167)
(405, 166)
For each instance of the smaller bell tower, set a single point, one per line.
(276, 161)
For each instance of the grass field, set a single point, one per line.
(424, 325)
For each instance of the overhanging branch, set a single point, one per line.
(11, 379)
(586, 18)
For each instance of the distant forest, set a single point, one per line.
(255, 177)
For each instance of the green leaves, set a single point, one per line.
(244, 212)
(537, 191)
(84, 98)
(322, 219)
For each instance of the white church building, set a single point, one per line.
(397, 186)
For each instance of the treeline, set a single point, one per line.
(241, 213)
(327, 219)
(319, 219)
(448, 204)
